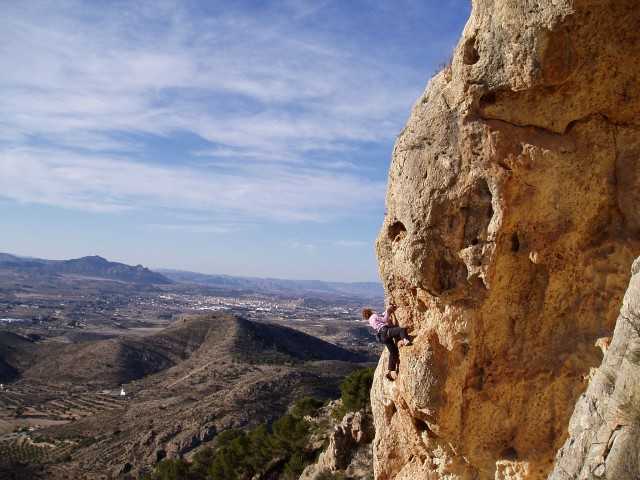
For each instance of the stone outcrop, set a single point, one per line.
(604, 432)
(512, 220)
(348, 451)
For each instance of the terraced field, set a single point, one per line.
(25, 409)
(30, 401)
(22, 449)
(73, 407)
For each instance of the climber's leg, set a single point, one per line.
(400, 334)
(394, 357)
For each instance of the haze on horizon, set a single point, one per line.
(249, 139)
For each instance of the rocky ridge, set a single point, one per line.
(511, 223)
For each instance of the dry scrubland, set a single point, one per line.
(197, 377)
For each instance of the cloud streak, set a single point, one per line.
(192, 228)
(278, 104)
(279, 90)
(351, 243)
(108, 184)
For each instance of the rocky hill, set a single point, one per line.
(93, 266)
(199, 376)
(195, 340)
(512, 221)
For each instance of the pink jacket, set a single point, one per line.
(377, 321)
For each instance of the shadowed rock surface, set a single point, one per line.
(511, 223)
(604, 432)
(16, 353)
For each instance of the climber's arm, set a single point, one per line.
(387, 314)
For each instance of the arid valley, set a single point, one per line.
(102, 376)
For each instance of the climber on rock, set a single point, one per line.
(388, 334)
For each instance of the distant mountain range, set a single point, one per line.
(278, 286)
(94, 266)
(98, 267)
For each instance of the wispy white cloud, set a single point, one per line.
(279, 108)
(275, 91)
(192, 228)
(111, 184)
(297, 245)
(351, 243)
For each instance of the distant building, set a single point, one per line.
(122, 392)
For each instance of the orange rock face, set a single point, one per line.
(512, 220)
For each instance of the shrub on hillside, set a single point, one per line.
(242, 455)
(356, 391)
(289, 434)
(227, 436)
(279, 450)
(330, 476)
(295, 466)
(306, 406)
(261, 448)
(171, 469)
(201, 461)
(239, 455)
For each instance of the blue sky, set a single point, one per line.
(245, 137)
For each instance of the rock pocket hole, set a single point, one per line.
(397, 231)
(422, 307)
(476, 381)
(509, 453)
(470, 54)
(515, 242)
(421, 426)
(447, 275)
(477, 213)
(160, 455)
(488, 99)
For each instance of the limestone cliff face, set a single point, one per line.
(604, 432)
(512, 220)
